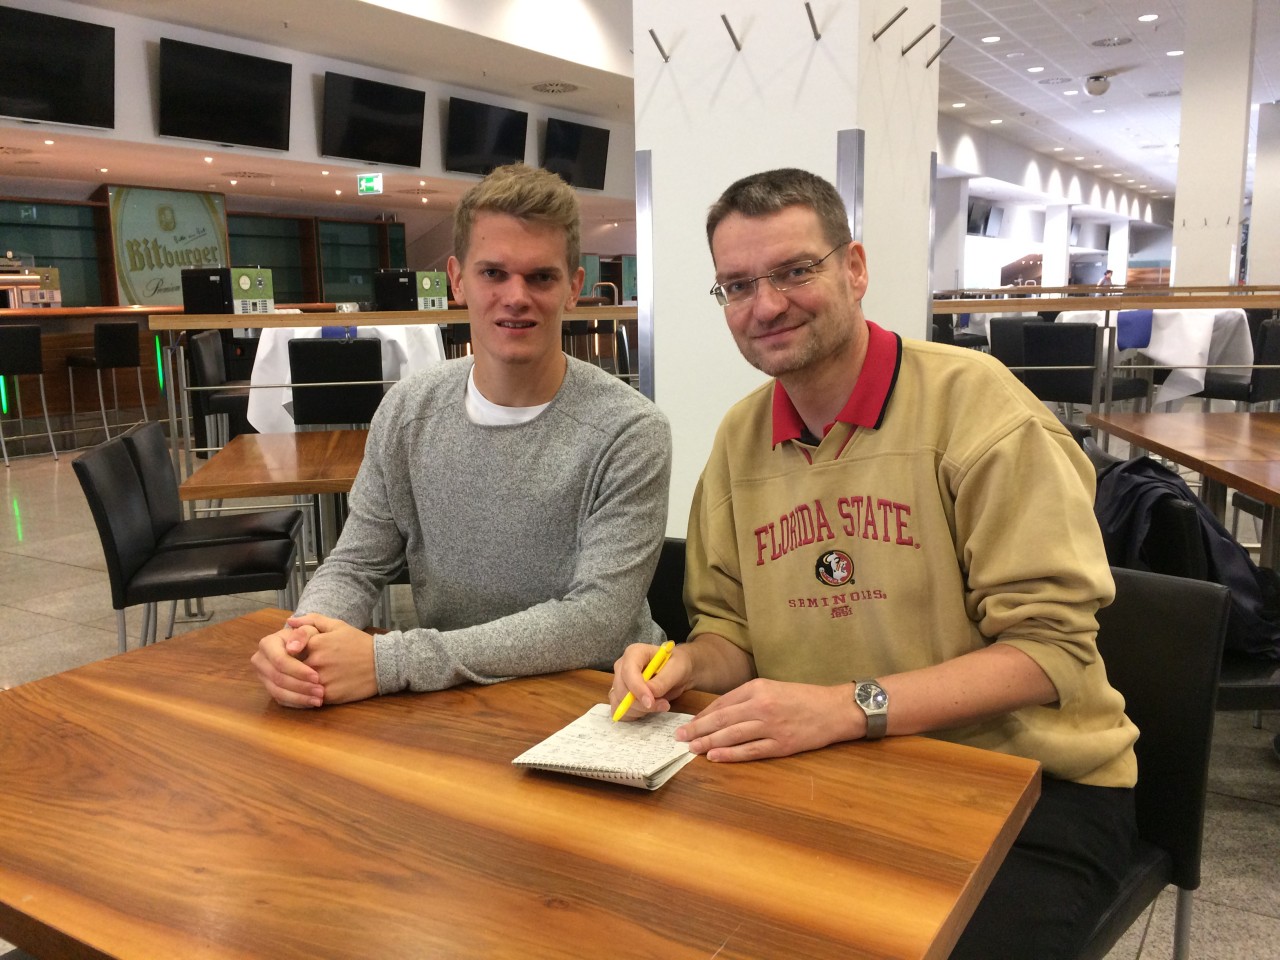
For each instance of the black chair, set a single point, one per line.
(220, 407)
(146, 444)
(1263, 384)
(1005, 337)
(944, 331)
(21, 354)
(1079, 432)
(115, 345)
(1071, 345)
(666, 591)
(457, 339)
(1173, 708)
(355, 364)
(141, 573)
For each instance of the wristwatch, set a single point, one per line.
(874, 702)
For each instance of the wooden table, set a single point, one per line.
(279, 464)
(158, 804)
(1238, 451)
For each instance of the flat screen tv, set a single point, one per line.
(371, 121)
(57, 70)
(480, 136)
(979, 214)
(223, 97)
(577, 152)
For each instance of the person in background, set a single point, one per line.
(896, 537)
(1106, 279)
(526, 491)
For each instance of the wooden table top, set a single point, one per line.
(1197, 440)
(229, 321)
(279, 464)
(158, 804)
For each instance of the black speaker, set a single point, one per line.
(395, 290)
(207, 290)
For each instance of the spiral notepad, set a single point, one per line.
(639, 753)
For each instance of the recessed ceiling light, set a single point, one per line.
(102, 169)
(324, 173)
(232, 182)
(959, 106)
(1070, 93)
(1131, 180)
(424, 199)
(48, 143)
(208, 159)
(1173, 53)
(337, 193)
(1014, 55)
(1099, 110)
(1098, 166)
(1077, 158)
(1148, 17)
(990, 39)
(1142, 186)
(997, 120)
(1058, 149)
(422, 183)
(1117, 174)
(1035, 69)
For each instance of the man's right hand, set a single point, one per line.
(281, 664)
(654, 695)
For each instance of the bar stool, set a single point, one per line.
(114, 345)
(21, 355)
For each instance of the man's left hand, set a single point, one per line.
(769, 718)
(342, 656)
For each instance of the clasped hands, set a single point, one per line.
(314, 660)
(758, 719)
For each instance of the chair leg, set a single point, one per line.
(44, 407)
(1182, 926)
(71, 391)
(122, 635)
(102, 403)
(173, 618)
(142, 400)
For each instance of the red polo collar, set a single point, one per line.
(866, 405)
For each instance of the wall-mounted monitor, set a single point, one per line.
(371, 121)
(223, 97)
(994, 221)
(979, 212)
(480, 136)
(57, 70)
(577, 152)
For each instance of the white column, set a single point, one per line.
(1055, 258)
(1213, 140)
(1118, 252)
(1264, 219)
(951, 205)
(712, 114)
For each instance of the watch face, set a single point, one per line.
(872, 697)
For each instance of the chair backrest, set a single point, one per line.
(1174, 544)
(208, 362)
(1100, 458)
(666, 591)
(331, 361)
(1004, 337)
(1060, 345)
(119, 506)
(150, 451)
(1264, 384)
(20, 350)
(621, 351)
(1079, 431)
(1161, 641)
(116, 345)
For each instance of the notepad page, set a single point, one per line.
(595, 745)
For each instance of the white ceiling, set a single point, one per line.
(1137, 136)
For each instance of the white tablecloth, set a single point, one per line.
(1191, 337)
(406, 349)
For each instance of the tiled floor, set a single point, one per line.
(55, 614)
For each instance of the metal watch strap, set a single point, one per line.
(877, 718)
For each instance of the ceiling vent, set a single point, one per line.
(1164, 93)
(1111, 42)
(1054, 81)
(247, 175)
(555, 86)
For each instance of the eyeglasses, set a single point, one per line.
(786, 277)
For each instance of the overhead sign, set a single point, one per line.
(368, 183)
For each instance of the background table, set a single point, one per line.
(1191, 337)
(1237, 451)
(158, 804)
(406, 349)
(279, 464)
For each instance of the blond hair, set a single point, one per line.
(526, 193)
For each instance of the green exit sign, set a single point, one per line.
(368, 183)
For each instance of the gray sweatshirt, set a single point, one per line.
(529, 547)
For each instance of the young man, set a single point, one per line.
(525, 490)
(895, 537)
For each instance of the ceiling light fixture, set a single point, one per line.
(1035, 69)
(1077, 158)
(1070, 93)
(997, 120)
(337, 193)
(324, 173)
(1173, 53)
(990, 39)
(1098, 166)
(1148, 17)
(233, 182)
(1058, 149)
(1099, 110)
(959, 106)
(48, 143)
(208, 159)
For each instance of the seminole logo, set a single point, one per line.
(834, 568)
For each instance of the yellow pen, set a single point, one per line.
(660, 657)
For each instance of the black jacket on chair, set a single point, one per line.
(1127, 497)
